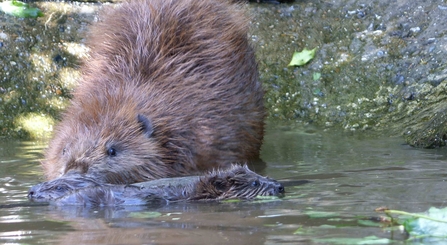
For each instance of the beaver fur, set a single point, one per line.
(171, 88)
(235, 182)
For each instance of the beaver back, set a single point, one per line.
(171, 88)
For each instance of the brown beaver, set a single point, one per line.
(235, 182)
(171, 88)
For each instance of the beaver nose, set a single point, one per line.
(280, 188)
(276, 188)
(32, 192)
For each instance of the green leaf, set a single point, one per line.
(301, 58)
(19, 4)
(434, 223)
(20, 9)
(318, 214)
(145, 215)
(267, 198)
(302, 231)
(369, 223)
(349, 241)
(231, 200)
(316, 76)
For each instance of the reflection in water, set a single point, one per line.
(333, 179)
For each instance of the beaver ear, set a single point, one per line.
(146, 125)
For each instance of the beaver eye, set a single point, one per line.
(64, 151)
(255, 183)
(111, 152)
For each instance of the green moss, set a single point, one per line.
(39, 60)
(394, 47)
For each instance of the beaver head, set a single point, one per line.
(235, 182)
(59, 187)
(103, 133)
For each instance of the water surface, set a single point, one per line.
(349, 176)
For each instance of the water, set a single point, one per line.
(349, 176)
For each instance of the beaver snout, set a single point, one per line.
(277, 189)
(33, 192)
(281, 189)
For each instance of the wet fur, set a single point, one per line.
(170, 89)
(236, 182)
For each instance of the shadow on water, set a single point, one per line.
(334, 181)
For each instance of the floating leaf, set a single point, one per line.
(428, 226)
(145, 215)
(301, 58)
(231, 200)
(267, 197)
(20, 9)
(303, 231)
(433, 224)
(354, 241)
(318, 214)
(369, 223)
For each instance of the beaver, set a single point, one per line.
(171, 88)
(263, 1)
(234, 182)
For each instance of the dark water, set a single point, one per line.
(350, 176)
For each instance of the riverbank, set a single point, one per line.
(379, 66)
